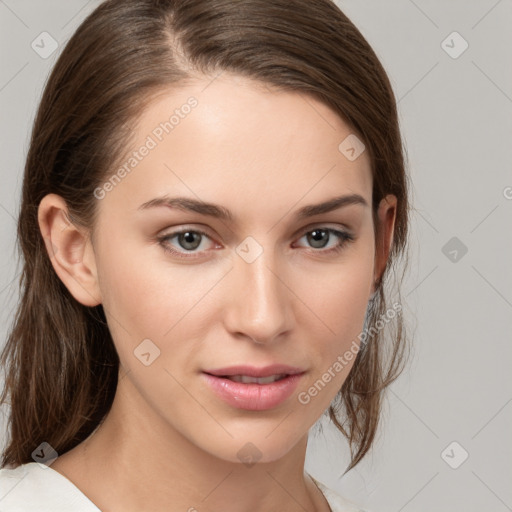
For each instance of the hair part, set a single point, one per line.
(61, 363)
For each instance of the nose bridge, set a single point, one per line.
(260, 305)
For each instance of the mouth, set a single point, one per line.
(272, 370)
(251, 388)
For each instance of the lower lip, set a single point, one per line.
(253, 397)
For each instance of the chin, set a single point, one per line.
(262, 447)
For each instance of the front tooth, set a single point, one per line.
(246, 379)
(249, 380)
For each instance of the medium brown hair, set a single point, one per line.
(60, 359)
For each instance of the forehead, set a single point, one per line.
(231, 139)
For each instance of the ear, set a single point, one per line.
(70, 250)
(386, 218)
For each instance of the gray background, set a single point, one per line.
(456, 121)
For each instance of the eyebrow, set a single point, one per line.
(217, 211)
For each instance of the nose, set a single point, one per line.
(259, 307)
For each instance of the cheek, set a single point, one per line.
(148, 297)
(340, 303)
(339, 295)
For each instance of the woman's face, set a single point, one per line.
(265, 277)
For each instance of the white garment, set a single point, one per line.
(35, 487)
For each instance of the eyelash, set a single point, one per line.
(345, 238)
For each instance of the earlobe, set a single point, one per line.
(70, 250)
(386, 218)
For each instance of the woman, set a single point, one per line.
(213, 199)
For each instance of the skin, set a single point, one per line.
(168, 442)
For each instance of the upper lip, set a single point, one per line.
(252, 371)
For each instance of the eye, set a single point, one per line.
(321, 237)
(188, 242)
